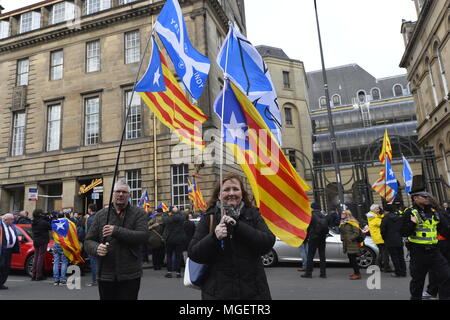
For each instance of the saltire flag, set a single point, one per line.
(195, 194)
(278, 189)
(163, 206)
(65, 234)
(386, 186)
(386, 149)
(407, 175)
(246, 68)
(144, 201)
(191, 66)
(162, 94)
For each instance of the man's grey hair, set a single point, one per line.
(7, 216)
(120, 183)
(374, 207)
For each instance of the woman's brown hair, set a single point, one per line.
(215, 195)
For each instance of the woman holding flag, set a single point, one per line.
(233, 248)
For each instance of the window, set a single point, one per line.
(441, 69)
(336, 100)
(53, 127)
(134, 123)
(432, 83)
(286, 81)
(29, 21)
(18, 134)
(23, 67)
(375, 94)
(288, 116)
(4, 29)
(93, 56)
(126, 1)
(180, 198)
(133, 178)
(93, 6)
(292, 158)
(91, 121)
(323, 102)
(398, 90)
(132, 47)
(62, 11)
(56, 65)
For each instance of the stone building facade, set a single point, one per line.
(427, 59)
(68, 68)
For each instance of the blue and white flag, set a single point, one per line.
(407, 175)
(391, 182)
(191, 66)
(153, 79)
(243, 64)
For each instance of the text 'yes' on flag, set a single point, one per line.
(162, 94)
(191, 66)
(242, 63)
(278, 189)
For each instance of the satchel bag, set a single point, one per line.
(155, 240)
(194, 273)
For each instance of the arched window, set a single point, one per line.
(398, 90)
(441, 68)
(376, 94)
(432, 83)
(336, 100)
(323, 102)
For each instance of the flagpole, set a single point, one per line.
(155, 168)
(222, 131)
(330, 119)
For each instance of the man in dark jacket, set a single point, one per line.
(175, 239)
(317, 237)
(120, 256)
(40, 228)
(391, 232)
(9, 244)
(23, 218)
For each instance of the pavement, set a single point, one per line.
(284, 281)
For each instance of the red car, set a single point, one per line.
(24, 260)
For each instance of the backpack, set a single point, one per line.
(321, 228)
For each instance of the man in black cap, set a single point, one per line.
(421, 224)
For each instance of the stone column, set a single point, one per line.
(107, 185)
(5, 199)
(70, 191)
(30, 205)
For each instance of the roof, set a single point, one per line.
(267, 51)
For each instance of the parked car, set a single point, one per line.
(282, 252)
(24, 260)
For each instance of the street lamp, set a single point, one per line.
(330, 119)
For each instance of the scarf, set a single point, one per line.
(231, 211)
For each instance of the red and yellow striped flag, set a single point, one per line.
(196, 196)
(162, 94)
(386, 149)
(278, 189)
(383, 189)
(65, 234)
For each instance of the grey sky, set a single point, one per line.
(365, 32)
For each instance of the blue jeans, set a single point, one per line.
(93, 262)
(59, 257)
(303, 249)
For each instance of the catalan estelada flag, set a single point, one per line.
(278, 189)
(386, 186)
(386, 149)
(144, 201)
(65, 234)
(162, 94)
(163, 206)
(195, 194)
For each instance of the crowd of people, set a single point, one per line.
(423, 228)
(230, 239)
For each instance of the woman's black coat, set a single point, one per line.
(40, 229)
(235, 269)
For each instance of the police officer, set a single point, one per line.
(421, 224)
